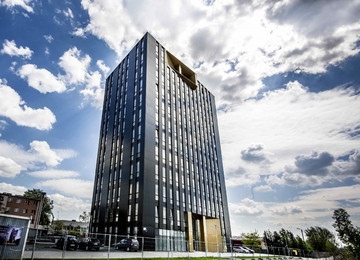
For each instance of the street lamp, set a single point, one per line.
(38, 223)
(302, 233)
(217, 242)
(142, 242)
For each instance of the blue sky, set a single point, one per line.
(285, 76)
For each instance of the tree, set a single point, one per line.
(58, 227)
(347, 233)
(84, 217)
(252, 239)
(46, 211)
(321, 239)
(277, 240)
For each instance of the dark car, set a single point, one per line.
(71, 242)
(128, 244)
(88, 243)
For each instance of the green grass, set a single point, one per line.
(162, 258)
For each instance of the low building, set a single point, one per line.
(19, 205)
(71, 227)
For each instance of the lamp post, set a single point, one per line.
(302, 233)
(38, 223)
(142, 242)
(217, 242)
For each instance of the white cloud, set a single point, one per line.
(102, 66)
(44, 153)
(65, 153)
(23, 3)
(246, 207)
(116, 29)
(75, 66)
(286, 210)
(9, 48)
(312, 206)
(40, 155)
(296, 180)
(296, 122)
(263, 188)
(3, 124)
(8, 168)
(41, 79)
(53, 174)
(258, 43)
(68, 13)
(49, 38)
(243, 179)
(69, 207)
(14, 108)
(9, 188)
(93, 90)
(70, 186)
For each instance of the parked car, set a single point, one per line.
(247, 251)
(238, 249)
(89, 243)
(250, 250)
(71, 242)
(128, 244)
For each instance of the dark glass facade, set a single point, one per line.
(159, 170)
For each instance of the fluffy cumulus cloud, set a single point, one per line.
(74, 65)
(8, 168)
(41, 79)
(246, 207)
(44, 153)
(254, 154)
(93, 92)
(39, 155)
(262, 38)
(314, 164)
(19, 190)
(10, 48)
(25, 4)
(113, 24)
(14, 108)
(67, 205)
(348, 166)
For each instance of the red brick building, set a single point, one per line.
(20, 206)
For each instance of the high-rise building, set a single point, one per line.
(159, 170)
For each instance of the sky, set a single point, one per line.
(285, 76)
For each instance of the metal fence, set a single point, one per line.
(165, 247)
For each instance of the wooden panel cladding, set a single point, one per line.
(184, 71)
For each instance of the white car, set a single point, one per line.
(250, 250)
